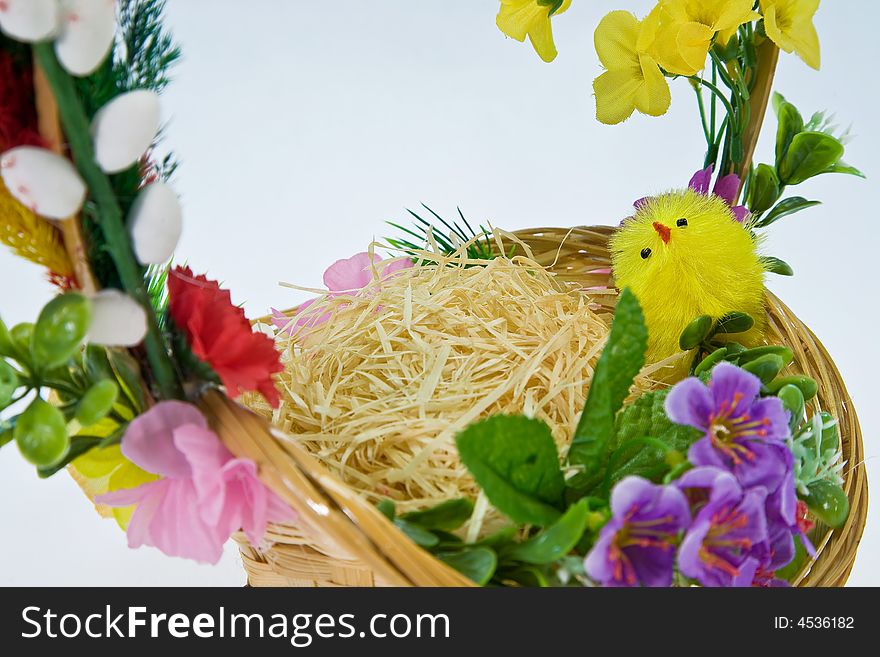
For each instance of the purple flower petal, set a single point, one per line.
(773, 417)
(701, 180)
(689, 561)
(740, 212)
(654, 567)
(747, 571)
(733, 388)
(630, 492)
(766, 467)
(597, 565)
(703, 452)
(727, 188)
(690, 402)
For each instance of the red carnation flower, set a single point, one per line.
(220, 334)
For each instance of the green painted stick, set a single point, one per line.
(78, 132)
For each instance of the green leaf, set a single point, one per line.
(646, 418)
(446, 516)
(620, 362)
(776, 266)
(127, 374)
(79, 445)
(710, 361)
(8, 383)
(515, 462)
(477, 564)
(765, 367)
(418, 535)
(843, 167)
(649, 457)
(6, 344)
(735, 322)
(757, 352)
(695, 332)
(784, 208)
(790, 122)
(557, 540)
(386, 508)
(7, 430)
(794, 566)
(809, 154)
(764, 188)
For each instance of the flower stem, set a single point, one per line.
(715, 90)
(709, 137)
(77, 129)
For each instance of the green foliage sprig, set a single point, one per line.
(804, 150)
(448, 240)
(96, 391)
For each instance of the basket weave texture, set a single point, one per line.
(341, 540)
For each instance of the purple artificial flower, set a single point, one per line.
(726, 188)
(742, 432)
(782, 523)
(637, 545)
(727, 541)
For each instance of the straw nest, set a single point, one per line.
(379, 390)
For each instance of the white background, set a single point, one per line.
(302, 126)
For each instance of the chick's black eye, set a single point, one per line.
(646, 253)
(681, 223)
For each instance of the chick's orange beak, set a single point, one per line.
(662, 231)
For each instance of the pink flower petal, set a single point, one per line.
(149, 440)
(350, 274)
(394, 266)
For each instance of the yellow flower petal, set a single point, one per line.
(615, 94)
(728, 15)
(789, 24)
(682, 48)
(806, 45)
(515, 17)
(520, 18)
(653, 96)
(615, 39)
(541, 36)
(104, 470)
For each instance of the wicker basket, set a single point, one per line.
(341, 540)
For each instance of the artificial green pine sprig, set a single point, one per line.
(448, 237)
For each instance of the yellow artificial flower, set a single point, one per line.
(789, 24)
(632, 79)
(521, 18)
(687, 28)
(105, 470)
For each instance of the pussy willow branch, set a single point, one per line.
(78, 133)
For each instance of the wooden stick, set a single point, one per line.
(768, 56)
(71, 228)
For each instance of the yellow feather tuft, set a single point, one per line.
(708, 265)
(32, 237)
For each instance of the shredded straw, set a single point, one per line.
(379, 391)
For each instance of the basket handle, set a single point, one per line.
(322, 502)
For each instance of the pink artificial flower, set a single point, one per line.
(205, 493)
(345, 276)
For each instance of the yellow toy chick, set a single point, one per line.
(685, 254)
